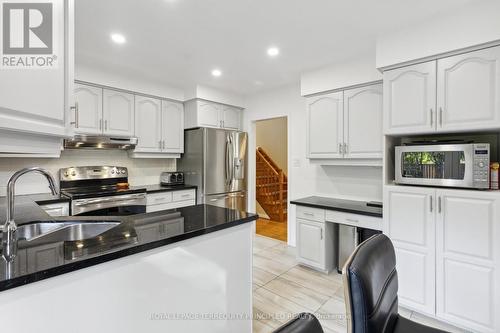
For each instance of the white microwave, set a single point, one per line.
(448, 165)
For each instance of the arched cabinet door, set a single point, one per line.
(469, 91)
(118, 111)
(363, 122)
(325, 126)
(173, 127)
(148, 124)
(410, 99)
(88, 115)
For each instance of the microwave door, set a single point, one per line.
(439, 165)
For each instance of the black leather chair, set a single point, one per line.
(303, 323)
(371, 290)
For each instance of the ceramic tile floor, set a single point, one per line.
(282, 289)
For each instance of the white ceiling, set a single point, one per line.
(179, 42)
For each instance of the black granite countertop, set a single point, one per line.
(342, 205)
(164, 188)
(132, 234)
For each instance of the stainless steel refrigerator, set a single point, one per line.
(215, 160)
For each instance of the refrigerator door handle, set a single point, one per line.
(227, 165)
(231, 177)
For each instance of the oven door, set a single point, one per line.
(117, 205)
(435, 165)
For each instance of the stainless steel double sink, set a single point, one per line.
(63, 231)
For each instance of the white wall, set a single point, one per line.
(141, 171)
(341, 75)
(135, 84)
(468, 26)
(305, 178)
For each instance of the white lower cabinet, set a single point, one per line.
(447, 252)
(56, 209)
(169, 200)
(315, 239)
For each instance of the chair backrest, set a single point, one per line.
(303, 323)
(371, 287)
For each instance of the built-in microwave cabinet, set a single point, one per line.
(345, 124)
(201, 113)
(103, 111)
(453, 94)
(447, 253)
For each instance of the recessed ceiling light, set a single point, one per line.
(273, 51)
(216, 72)
(118, 38)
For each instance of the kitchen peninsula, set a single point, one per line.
(147, 272)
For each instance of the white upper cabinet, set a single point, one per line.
(118, 113)
(148, 124)
(363, 122)
(38, 100)
(455, 94)
(201, 113)
(172, 127)
(88, 113)
(208, 114)
(325, 126)
(231, 117)
(410, 99)
(346, 126)
(469, 91)
(409, 221)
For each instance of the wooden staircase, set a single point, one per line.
(272, 187)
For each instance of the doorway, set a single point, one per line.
(271, 177)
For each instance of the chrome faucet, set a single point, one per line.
(9, 247)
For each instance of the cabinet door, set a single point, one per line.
(409, 221)
(45, 256)
(148, 124)
(88, 117)
(56, 209)
(208, 114)
(33, 99)
(363, 122)
(230, 117)
(467, 259)
(469, 91)
(118, 110)
(172, 127)
(325, 123)
(311, 243)
(410, 99)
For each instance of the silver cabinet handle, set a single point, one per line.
(340, 148)
(308, 214)
(100, 124)
(352, 220)
(432, 117)
(106, 125)
(159, 144)
(439, 205)
(321, 233)
(431, 203)
(441, 116)
(76, 115)
(346, 148)
(163, 144)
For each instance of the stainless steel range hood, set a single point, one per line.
(100, 142)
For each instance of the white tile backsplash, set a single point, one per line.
(141, 171)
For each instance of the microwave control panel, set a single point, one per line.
(481, 166)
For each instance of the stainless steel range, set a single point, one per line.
(101, 191)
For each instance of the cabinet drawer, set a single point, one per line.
(183, 195)
(158, 198)
(311, 214)
(169, 205)
(355, 220)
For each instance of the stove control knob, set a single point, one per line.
(73, 173)
(123, 171)
(481, 164)
(66, 173)
(113, 171)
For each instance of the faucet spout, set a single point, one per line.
(9, 247)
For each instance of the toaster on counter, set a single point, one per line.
(172, 178)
